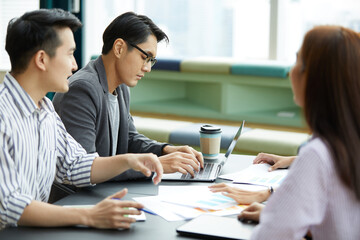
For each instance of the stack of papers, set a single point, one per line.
(175, 203)
(258, 174)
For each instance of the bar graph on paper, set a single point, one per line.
(196, 197)
(273, 180)
(215, 201)
(258, 174)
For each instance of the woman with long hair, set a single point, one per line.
(321, 193)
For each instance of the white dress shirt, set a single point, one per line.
(312, 197)
(35, 150)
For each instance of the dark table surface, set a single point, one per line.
(154, 227)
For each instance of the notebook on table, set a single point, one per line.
(215, 227)
(211, 169)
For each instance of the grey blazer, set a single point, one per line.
(84, 111)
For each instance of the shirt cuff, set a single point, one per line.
(15, 208)
(81, 177)
(162, 148)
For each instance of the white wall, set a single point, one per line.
(2, 75)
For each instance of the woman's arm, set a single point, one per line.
(239, 195)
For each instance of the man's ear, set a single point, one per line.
(118, 47)
(41, 59)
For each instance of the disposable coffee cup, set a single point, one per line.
(210, 138)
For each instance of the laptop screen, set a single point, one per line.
(233, 143)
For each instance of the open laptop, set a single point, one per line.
(211, 169)
(215, 227)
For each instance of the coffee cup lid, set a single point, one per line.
(210, 128)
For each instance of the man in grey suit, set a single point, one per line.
(95, 110)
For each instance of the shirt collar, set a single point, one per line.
(23, 99)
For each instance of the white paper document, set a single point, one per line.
(175, 203)
(258, 174)
(195, 196)
(163, 209)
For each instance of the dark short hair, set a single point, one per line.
(133, 28)
(34, 31)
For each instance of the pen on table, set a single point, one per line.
(140, 209)
(147, 211)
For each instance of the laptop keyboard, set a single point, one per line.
(202, 174)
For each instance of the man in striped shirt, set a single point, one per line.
(35, 146)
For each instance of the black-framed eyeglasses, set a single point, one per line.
(148, 58)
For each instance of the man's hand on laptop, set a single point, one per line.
(185, 149)
(180, 162)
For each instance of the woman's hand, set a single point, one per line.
(239, 195)
(252, 212)
(275, 160)
(112, 212)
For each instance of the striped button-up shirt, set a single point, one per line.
(35, 150)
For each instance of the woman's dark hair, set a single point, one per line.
(331, 55)
(131, 28)
(34, 31)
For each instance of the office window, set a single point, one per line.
(296, 17)
(8, 10)
(241, 29)
(214, 28)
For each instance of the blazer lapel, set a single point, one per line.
(122, 145)
(100, 69)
